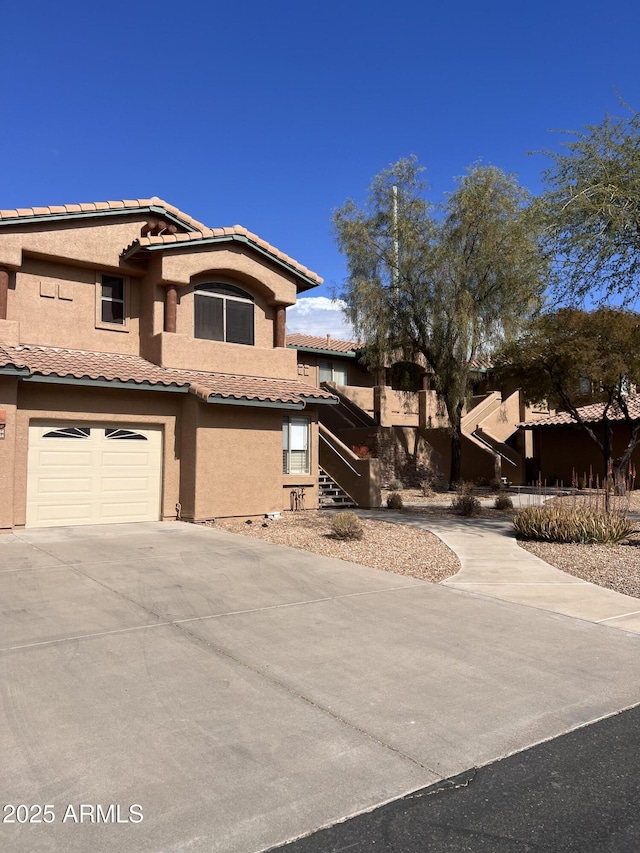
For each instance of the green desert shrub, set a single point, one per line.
(503, 502)
(396, 485)
(346, 525)
(578, 525)
(394, 501)
(465, 503)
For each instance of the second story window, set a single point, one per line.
(112, 297)
(332, 372)
(223, 312)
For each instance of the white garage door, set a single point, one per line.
(88, 474)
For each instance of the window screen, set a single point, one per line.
(295, 446)
(224, 313)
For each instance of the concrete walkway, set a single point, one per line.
(494, 565)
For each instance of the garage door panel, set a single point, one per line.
(62, 513)
(56, 486)
(65, 458)
(94, 479)
(124, 459)
(125, 486)
(122, 511)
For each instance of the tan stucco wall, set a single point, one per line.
(56, 306)
(8, 403)
(503, 421)
(238, 463)
(97, 243)
(235, 263)
(362, 397)
(69, 404)
(558, 451)
(397, 408)
(432, 410)
(172, 350)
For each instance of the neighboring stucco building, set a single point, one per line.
(562, 449)
(401, 420)
(144, 371)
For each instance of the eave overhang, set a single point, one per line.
(328, 352)
(304, 282)
(98, 214)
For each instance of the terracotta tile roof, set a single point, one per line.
(100, 207)
(326, 343)
(233, 231)
(81, 364)
(483, 363)
(589, 414)
(198, 230)
(335, 345)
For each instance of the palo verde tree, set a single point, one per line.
(443, 282)
(592, 211)
(571, 358)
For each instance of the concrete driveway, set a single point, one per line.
(242, 694)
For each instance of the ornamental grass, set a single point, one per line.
(583, 525)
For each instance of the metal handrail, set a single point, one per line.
(493, 449)
(346, 461)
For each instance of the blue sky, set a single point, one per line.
(270, 115)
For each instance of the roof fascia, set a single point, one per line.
(321, 401)
(98, 214)
(306, 283)
(348, 354)
(14, 371)
(259, 404)
(106, 383)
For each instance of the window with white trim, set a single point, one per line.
(112, 300)
(330, 371)
(295, 445)
(223, 312)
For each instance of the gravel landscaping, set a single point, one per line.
(419, 554)
(390, 547)
(616, 567)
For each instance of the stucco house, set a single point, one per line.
(144, 371)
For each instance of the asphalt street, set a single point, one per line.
(577, 793)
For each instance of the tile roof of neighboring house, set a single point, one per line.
(329, 344)
(589, 414)
(483, 363)
(117, 367)
(323, 343)
(196, 231)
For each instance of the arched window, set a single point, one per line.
(223, 312)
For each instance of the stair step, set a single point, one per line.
(330, 494)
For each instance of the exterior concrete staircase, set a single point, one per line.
(330, 495)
